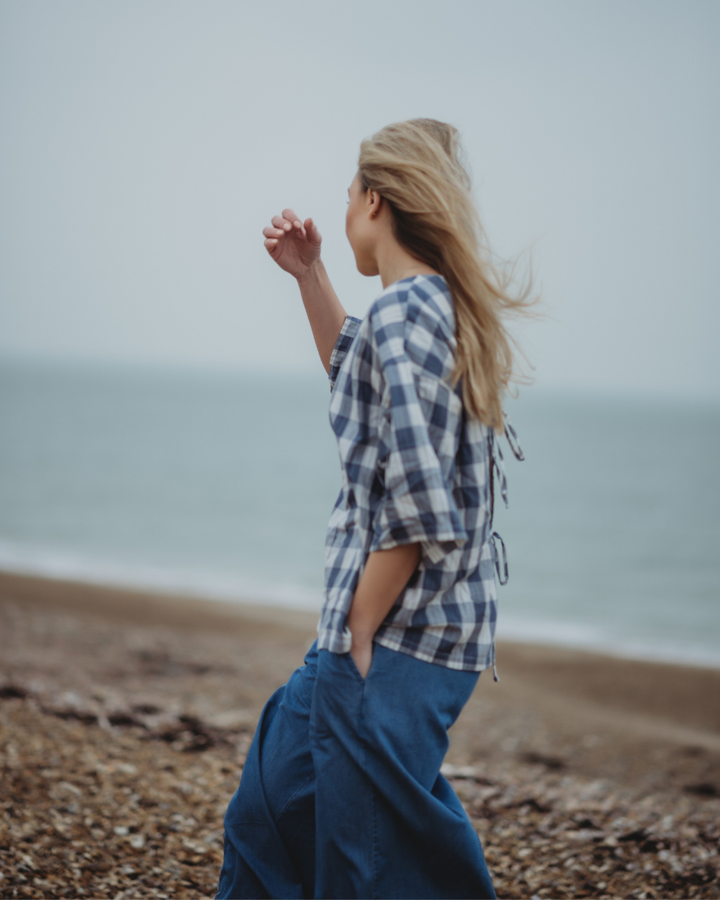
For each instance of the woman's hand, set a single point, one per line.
(294, 245)
(385, 575)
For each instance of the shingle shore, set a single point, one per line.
(121, 742)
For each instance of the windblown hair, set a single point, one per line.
(416, 167)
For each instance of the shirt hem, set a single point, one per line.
(436, 659)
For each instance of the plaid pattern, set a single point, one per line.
(414, 469)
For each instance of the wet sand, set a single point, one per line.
(584, 774)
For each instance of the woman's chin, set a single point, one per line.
(369, 269)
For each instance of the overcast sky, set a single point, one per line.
(145, 144)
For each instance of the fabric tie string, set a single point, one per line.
(499, 466)
(512, 439)
(502, 574)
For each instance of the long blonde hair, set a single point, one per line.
(416, 167)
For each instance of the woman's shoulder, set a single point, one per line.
(422, 300)
(413, 318)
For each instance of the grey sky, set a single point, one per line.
(145, 144)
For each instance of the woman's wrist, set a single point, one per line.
(312, 273)
(360, 626)
(362, 655)
(361, 638)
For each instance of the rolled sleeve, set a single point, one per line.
(417, 505)
(342, 345)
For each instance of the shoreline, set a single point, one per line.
(271, 607)
(675, 693)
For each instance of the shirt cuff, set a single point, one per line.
(437, 535)
(342, 345)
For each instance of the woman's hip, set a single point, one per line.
(402, 709)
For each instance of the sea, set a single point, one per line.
(217, 484)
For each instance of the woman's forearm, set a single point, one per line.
(324, 311)
(384, 577)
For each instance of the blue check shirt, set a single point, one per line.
(415, 468)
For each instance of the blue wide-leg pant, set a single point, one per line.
(341, 795)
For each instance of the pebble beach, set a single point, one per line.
(125, 719)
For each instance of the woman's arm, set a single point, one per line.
(295, 247)
(385, 575)
(324, 311)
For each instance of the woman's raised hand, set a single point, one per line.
(294, 245)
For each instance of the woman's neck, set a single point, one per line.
(396, 263)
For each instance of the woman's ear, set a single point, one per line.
(374, 202)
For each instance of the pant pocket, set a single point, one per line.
(354, 669)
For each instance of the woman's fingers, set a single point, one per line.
(313, 234)
(303, 246)
(290, 216)
(280, 223)
(295, 223)
(286, 222)
(272, 235)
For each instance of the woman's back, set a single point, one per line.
(415, 468)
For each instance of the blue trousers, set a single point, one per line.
(341, 795)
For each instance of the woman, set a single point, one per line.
(341, 795)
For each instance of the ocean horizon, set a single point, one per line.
(219, 484)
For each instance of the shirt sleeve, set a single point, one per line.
(417, 505)
(342, 345)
